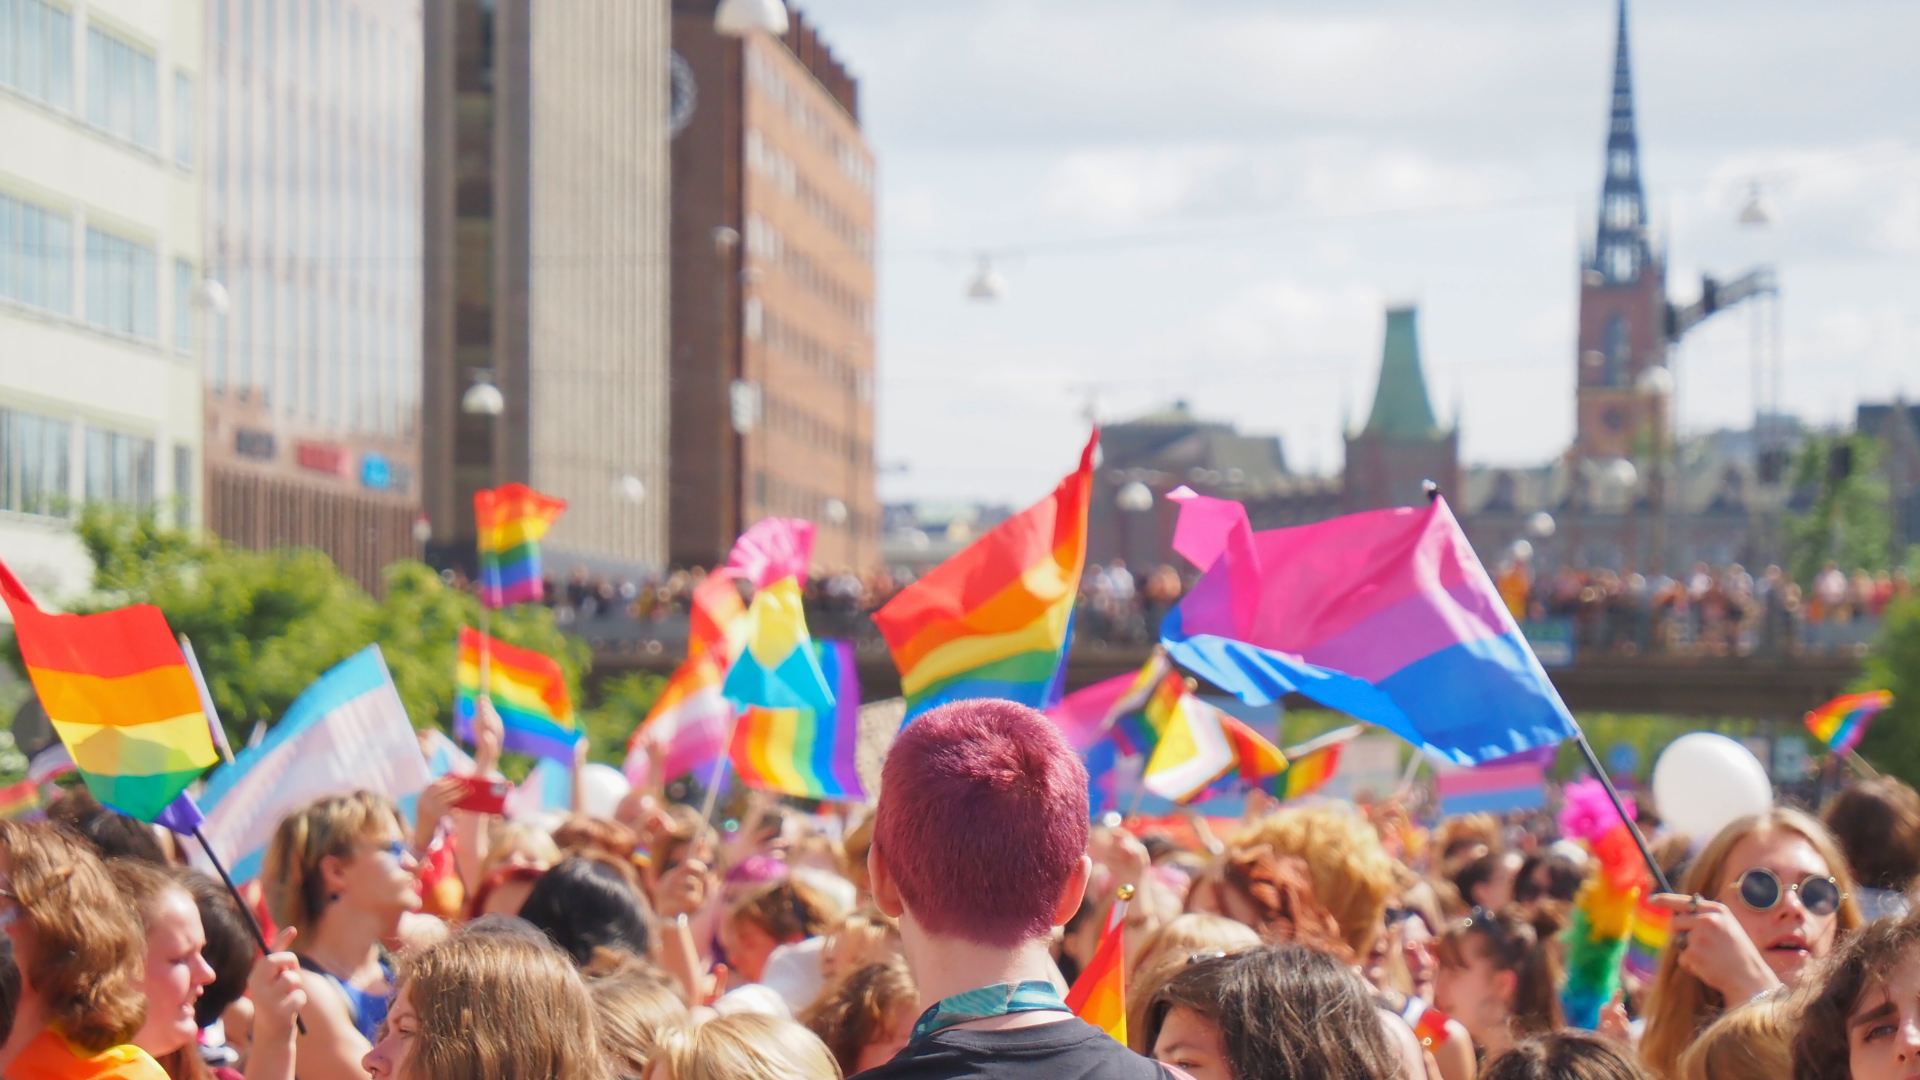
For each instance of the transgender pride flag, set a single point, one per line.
(1385, 615)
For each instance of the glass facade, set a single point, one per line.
(119, 468)
(123, 89)
(123, 285)
(36, 51)
(35, 456)
(314, 210)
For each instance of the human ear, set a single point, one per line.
(886, 892)
(1073, 892)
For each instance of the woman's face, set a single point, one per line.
(888, 1042)
(1416, 947)
(1469, 988)
(1192, 1042)
(389, 1057)
(176, 973)
(1883, 1031)
(1497, 891)
(748, 947)
(1788, 936)
(380, 874)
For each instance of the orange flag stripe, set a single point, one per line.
(160, 693)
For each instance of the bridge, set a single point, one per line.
(1705, 686)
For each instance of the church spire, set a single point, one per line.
(1401, 409)
(1620, 250)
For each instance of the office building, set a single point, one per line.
(546, 270)
(101, 166)
(313, 233)
(773, 284)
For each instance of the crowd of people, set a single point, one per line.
(936, 935)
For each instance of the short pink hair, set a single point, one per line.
(982, 820)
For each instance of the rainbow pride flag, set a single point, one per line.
(1199, 744)
(1312, 764)
(120, 696)
(528, 690)
(1652, 931)
(19, 800)
(778, 668)
(511, 519)
(995, 620)
(802, 752)
(1099, 995)
(688, 724)
(1386, 616)
(1842, 722)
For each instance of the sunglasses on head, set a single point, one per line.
(1761, 889)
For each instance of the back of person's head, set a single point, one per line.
(788, 910)
(982, 822)
(1752, 1042)
(1273, 894)
(499, 1007)
(859, 939)
(229, 950)
(1284, 1012)
(1566, 1055)
(584, 904)
(861, 1009)
(111, 834)
(583, 834)
(632, 1002)
(741, 1046)
(517, 843)
(856, 844)
(1877, 822)
(1352, 874)
(1513, 941)
(328, 827)
(1821, 1045)
(83, 953)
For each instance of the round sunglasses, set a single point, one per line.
(1761, 889)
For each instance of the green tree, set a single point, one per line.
(1850, 521)
(1893, 742)
(265, 624)
(623, 703)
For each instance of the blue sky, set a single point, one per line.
(1214, 201)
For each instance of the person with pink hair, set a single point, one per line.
(980, 850)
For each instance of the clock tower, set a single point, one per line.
(1623, 332)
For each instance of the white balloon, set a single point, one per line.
(602, 788)
(1703, 781)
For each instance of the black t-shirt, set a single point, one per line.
(1070, 1049)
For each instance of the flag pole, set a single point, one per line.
(1861, 766)
(720, 768)
(1639, 841)
(253, 923)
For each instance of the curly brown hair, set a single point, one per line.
(84, 951)
(1820, 1047)
(856, 1012)
(786, 909)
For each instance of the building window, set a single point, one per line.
(36, 51)
(35, 457)
(182, 484)
(184, 115)
(183, 305)
(123, 90)
(122, 285)
(119, 469)
(36, 255)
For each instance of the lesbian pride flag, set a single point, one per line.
(1386, 615)
(995, 620)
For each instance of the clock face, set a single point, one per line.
(683, 94)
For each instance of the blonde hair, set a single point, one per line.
(743, 1046)
(632, 1002)
(1168, 950)
(1352, 873)
(1752, 1042)
(514, 835)
(1679, 1004)
(499, 1007)
(87, 952)
(326, 827)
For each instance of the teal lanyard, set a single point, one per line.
(1037, 995)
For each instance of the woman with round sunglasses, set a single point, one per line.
(1767, 896)
(340, 874)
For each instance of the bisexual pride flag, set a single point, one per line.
(1386, 615)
